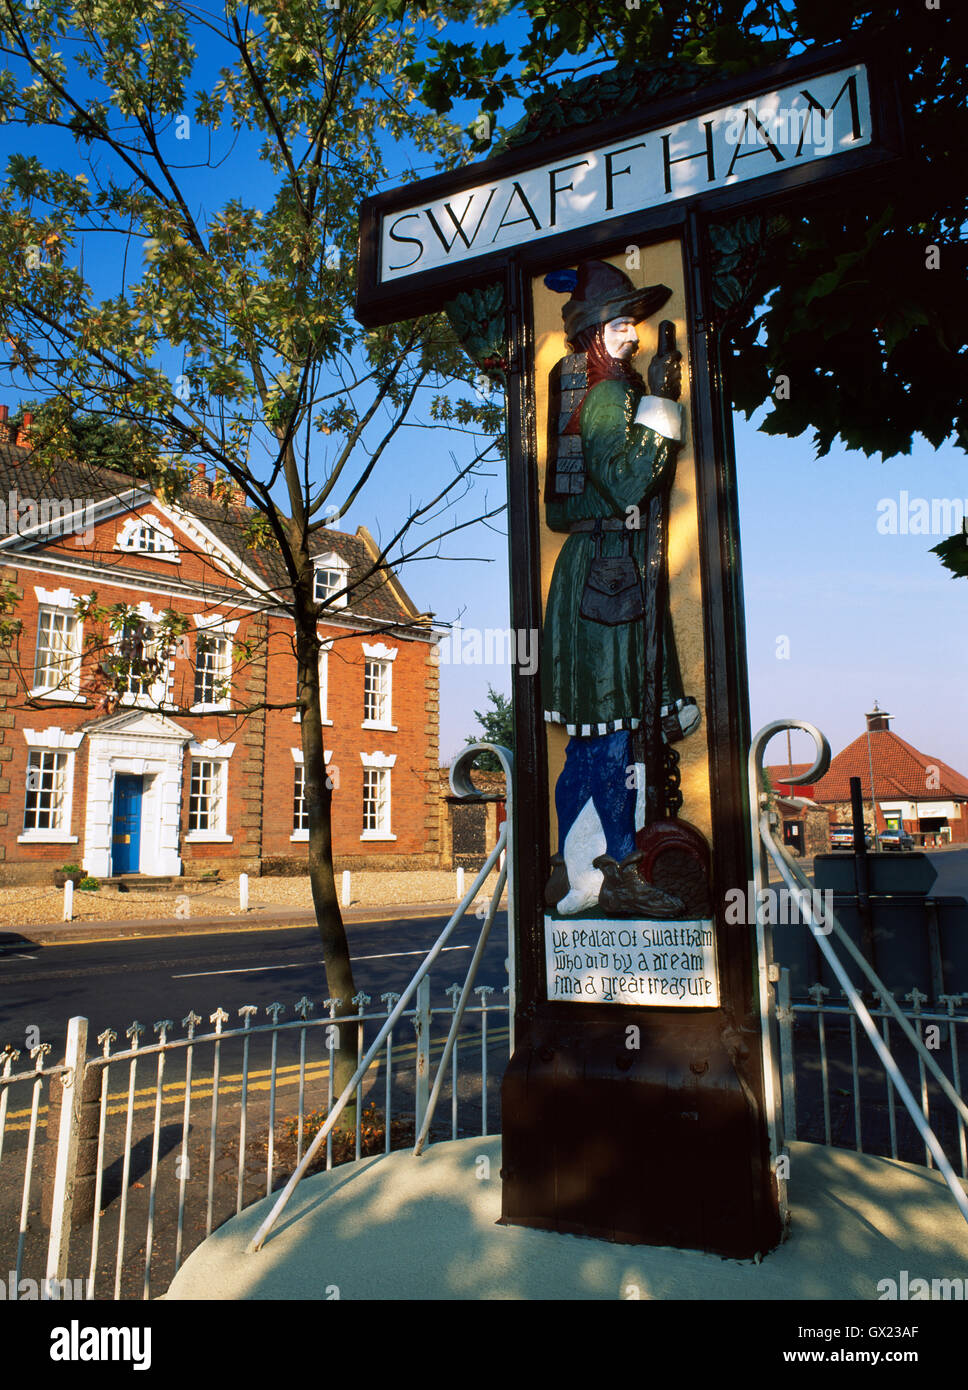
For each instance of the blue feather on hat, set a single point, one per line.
(562, 281)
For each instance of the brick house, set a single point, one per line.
(159, 777)
(913, 791)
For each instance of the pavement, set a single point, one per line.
(257, 919)
(399, 1227)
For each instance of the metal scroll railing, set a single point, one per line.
(500, 856)
(825, 932)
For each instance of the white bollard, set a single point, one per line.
(346, 888)
(69, 900)
(244, 892)
(460, 883)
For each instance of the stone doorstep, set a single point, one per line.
(151, 883)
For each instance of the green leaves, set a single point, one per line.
(720, 37)
(497, 726)
(954, 554)
(226, 330)
(478, 319)
(465, 70)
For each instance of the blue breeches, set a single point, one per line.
(601, 768)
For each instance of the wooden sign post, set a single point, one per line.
(635, 1107)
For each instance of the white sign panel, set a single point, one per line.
(670, 964)
(784, 129)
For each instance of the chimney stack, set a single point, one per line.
(200, 486)
(878, 720)
(23, 434)
(226, 490)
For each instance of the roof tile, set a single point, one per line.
(371, 595)
(899, 769)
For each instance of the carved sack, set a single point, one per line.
(613, 590)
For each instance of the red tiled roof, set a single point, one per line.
(375, 591)
(779, 773)
(899, 771)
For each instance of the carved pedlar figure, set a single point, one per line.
(608, 647)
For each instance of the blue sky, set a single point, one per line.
(868, 615)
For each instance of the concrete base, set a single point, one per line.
(424, 1229)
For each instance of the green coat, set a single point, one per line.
(593, 674)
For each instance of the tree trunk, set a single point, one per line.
(319, 800)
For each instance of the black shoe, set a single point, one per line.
(625, 892)
(557, 885)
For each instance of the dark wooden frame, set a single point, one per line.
(727, 707)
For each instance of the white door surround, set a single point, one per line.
(145, 745)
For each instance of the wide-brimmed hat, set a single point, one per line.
(601, 292)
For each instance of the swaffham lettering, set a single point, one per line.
(529, 214)
(709, 151)
(597, 962)
(792, 125)
(554, 189)
(395, 236)
(612, 174)
(676, 936)
(458, 222)
(767, 147)
(850, 88)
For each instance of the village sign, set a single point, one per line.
(641, 1100)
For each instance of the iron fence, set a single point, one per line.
(115, 1165)
(780, 1071)
(237, 1144)
(836, 1090)
(17, 1185)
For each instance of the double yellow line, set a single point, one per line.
(173, 1092)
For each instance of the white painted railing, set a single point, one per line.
(148, 1148)
(769, 849)
(833, 1029)
(463, 787)
(151, 1146)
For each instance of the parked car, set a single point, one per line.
(895, 839)
(842, 837)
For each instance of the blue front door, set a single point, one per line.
(126, 832)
